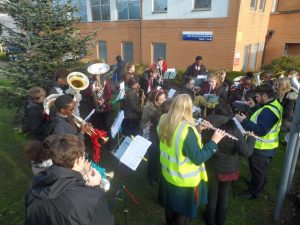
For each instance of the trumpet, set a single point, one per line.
(200, 121)
(79, 122)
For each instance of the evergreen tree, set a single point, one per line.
(48, 39)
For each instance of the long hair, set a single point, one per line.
(181, 109)
(215, 77)
(283, 86)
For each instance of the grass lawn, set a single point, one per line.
(15, 175)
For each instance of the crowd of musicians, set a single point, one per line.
(191, 162)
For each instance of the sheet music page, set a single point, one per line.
(135, 152)
(122, 148)
(239, 125)
(171, 93)
(117, 124)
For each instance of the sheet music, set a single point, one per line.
(117, 124)
(196, 109)
(122, 148)
(135, 152)
(239, 125)
(202, 77)
(171, 93)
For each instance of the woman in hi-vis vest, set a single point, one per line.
(182, 156)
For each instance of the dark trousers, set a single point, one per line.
(131, 127)
(154, 167)
(216, 207)
(258, 166)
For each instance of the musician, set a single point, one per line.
(132, 109)
(149, 81)
(264, 122)
(223, 167)
(182, 157)
(120, 68)
(101, 103)
(130, 72)
(188, 87)
(156, 98)
(267, 78)
(196, 69)
(60, 195)
(223, 79)
(161, 65)
(37, 121)
(287, 98)
(63, 122)
(60, 85)
(243, 92)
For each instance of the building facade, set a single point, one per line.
(283, 37)
(227, 33)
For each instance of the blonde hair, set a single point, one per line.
(283, 86)
(36, 92)
(181, 109)
(215, 76)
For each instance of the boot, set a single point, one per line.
(209, 216)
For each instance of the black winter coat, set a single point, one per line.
(191, 71)
(59, 196)
(226, 159)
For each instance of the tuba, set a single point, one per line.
(78, 81)
(49, 103)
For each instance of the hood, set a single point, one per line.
(217, 120)
(32, 104)
(54, 181)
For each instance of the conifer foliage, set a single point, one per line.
(48, 39)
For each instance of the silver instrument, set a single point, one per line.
(295, 84)
(200, 121)
(257, 78)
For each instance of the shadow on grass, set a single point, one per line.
(15, 176)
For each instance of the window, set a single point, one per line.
(262, 4)
(127, 51)
(159, 50)
(100, 10)
(129, 9)
(102, 51)
(160, 5)
(254, 50)
(253, 4)
(246, 57)
(202, 4)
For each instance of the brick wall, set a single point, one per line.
(252, 29)
(286, 29)
(286, 5)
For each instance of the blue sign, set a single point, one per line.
(197, 36)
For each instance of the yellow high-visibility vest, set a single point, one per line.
(272, 140)
(178, 169)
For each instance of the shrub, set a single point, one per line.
(285, 63)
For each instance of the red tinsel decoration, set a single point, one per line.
(95, 136)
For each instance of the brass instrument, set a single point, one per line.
(78, 81)
(257, 78)
(98, 69)
(49, 103)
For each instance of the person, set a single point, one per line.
(63, 123)
(120, 69)
(161, 65)
(287, 99)
(99, 98)
(188, 87)
(156, 98)
(196, 69)
(265, 122)
(182, 157)
(242, 93)
(60, 85)
(223, 167)
(60, 195)
(149, 81)
(223, 79)
(213, 87)
(267, 78)
(37, 121)
(132, 109)
(39, 155)
(130, 72)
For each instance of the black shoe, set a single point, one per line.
(247, 195)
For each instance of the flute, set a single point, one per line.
(200, 121)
